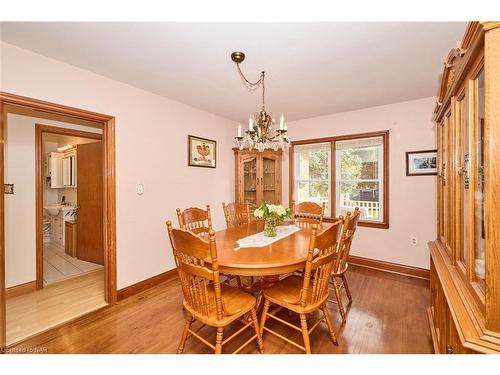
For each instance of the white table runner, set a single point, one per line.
(259, 240)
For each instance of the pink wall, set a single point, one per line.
(412, 200)
(151, 148)
(151, 137)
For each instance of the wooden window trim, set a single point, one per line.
(384, 224)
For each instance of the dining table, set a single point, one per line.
(265, 263)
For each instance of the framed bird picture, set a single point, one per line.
(202, 152)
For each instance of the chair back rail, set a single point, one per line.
(236, 214)
(319, 264)
(200, 283)
(195, 219)
(349, 226)
(308, 213)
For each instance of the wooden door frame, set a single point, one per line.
(109, 215)
(41, 129)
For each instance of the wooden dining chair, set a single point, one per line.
(195, 219)
(304, 295)
(341, 263)
(236, 214)
(308, 213)
(205, 299)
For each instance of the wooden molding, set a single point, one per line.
(107, 123)
(400, 269)
(18, 290)
(145, 284)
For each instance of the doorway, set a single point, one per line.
(70, 186)
(99, 152)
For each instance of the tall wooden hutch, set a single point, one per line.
(258, 177)
(465, 257)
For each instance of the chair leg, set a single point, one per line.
(339, 300)
(264, 316)
(305, 333)
(329, 323)
(218, 340)
(184, 336)
(346, 287)
(260, 345)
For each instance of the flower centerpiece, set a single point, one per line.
(272, 214)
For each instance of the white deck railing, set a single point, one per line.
(370, 210)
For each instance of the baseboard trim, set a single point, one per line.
(401, 269)
(145, 284)
(21, 289)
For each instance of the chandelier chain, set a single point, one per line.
(254, 85)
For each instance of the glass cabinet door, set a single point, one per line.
(463, 182)
(478, 179)
(268, 180)
(443, 191)
(250, 181)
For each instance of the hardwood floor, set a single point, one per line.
(388, 315)
(53, 305)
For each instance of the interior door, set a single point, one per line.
(89, 228)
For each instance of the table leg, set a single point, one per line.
(264, 283)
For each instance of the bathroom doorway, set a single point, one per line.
(72, 273)
(70, 185)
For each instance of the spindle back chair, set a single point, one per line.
(205, 299)
(308, 293)
(341, 264)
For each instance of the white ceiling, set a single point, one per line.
(312, 69)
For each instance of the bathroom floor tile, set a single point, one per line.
(58, 265)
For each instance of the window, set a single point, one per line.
(312, 166)
(359, 172)
(354, 176)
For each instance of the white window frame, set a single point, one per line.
(297, 181)
(380, 180)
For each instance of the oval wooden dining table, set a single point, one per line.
(286, 255)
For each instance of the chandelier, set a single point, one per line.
(262, 133)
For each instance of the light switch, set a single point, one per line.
(140, 189)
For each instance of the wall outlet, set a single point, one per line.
(413, 241)
(140, 189)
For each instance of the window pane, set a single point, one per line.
(365, 195)
(359, 177)
(312, 174)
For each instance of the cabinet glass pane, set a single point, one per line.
(269, 180)
(250, 181)
(444, 182)
(479, 181)
(463, 190)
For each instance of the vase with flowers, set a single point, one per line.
(272, 214)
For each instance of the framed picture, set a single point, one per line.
(202, 152)
(421, 163)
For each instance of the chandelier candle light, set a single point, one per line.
(262, 133)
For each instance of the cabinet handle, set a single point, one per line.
(449, 349)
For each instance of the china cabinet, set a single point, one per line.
(258, 177)
(464, 315)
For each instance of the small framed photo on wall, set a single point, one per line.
(202, 152)
(421, 163)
